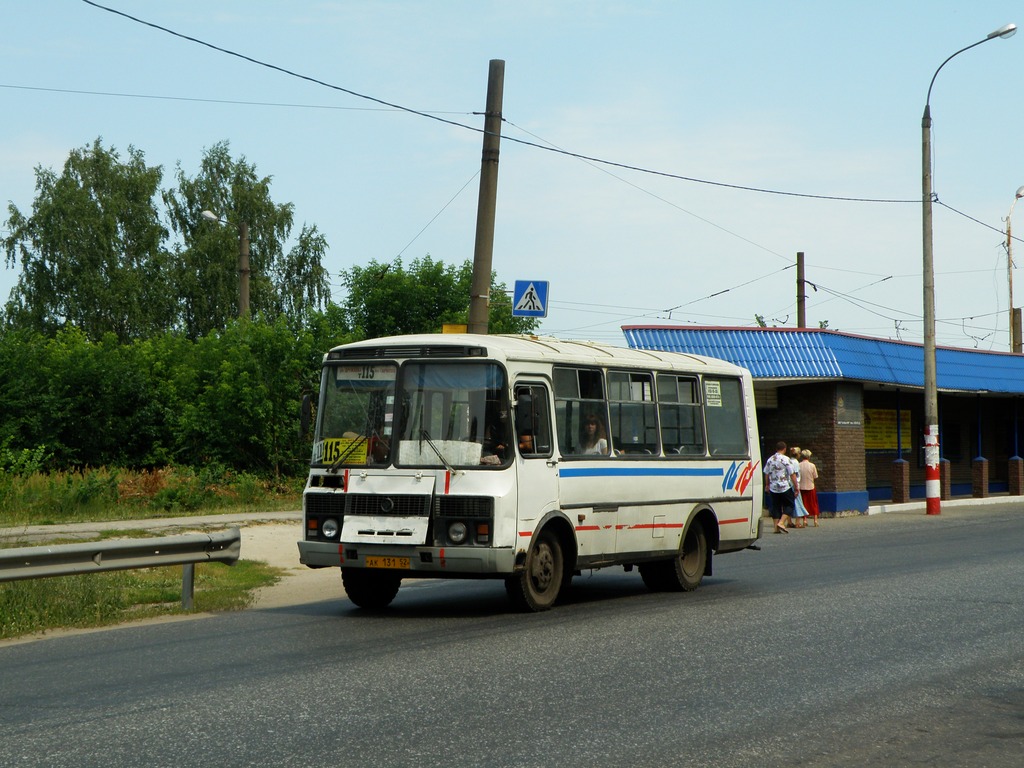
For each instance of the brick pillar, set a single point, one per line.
(901, 481)
(979, 478)
(945, 481)
(1016, 476)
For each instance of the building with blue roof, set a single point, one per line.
(857, 402)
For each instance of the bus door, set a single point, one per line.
(536, 464)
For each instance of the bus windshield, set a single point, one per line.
(356, 417)
(454, 415)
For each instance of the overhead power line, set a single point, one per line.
(235, 102)
(550, 148)
(282, 70)
(430, 116)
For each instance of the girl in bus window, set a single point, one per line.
(593, 441)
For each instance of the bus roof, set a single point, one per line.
(530, 348)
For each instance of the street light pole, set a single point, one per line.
(931, 397)
(1014, 341)
(243, 260)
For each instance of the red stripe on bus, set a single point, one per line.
(344, 484)
(733, 522)
(341, 554)
(588, 527)
(447, 481)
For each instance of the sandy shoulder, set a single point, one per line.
(277, 544)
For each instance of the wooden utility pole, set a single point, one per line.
(487, 202)
(801, 295)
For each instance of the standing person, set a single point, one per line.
(808, 493)
(799, 511)
(782, 480)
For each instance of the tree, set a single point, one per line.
(244, 389)
(206, 262)
(389, 299)
(91, 251)
(95, 255)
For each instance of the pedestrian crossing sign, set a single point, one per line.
(530, 298)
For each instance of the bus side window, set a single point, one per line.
(723, 412)
(682, 429)
(633, 412)
(579, 396)
(533, 420)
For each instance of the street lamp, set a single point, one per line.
(243, 261)
(931, 397)
(1015, 345)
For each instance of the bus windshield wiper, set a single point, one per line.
(348, 452)
(426, 436)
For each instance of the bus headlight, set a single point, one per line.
(329, 528)
(457, 533)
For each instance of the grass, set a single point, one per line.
(114, 597)
(51, 498)
(92, 495)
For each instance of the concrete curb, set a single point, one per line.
(919, 506)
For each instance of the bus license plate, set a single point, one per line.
(387, 562)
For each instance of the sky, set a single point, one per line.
(686, 151)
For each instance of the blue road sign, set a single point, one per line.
(530, 298)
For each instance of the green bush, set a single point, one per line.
(24, 461)
(232, 398)
(102, 494)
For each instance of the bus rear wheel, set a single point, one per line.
(369, 589)
(538, 585)
(684, 572)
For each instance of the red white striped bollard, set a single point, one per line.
(932, 478)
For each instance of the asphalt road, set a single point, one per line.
(888, 640)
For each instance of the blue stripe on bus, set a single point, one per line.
(641, 472)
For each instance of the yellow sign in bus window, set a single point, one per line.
(334, 448)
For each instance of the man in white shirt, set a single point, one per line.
(782, 479)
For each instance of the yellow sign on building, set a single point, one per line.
(880, 429)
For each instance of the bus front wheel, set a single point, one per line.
(537, 586)
(369, 589)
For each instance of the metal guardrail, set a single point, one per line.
(93, 557)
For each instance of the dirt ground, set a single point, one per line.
(275, 544)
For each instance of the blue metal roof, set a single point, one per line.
(786, 353)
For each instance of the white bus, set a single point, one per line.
(527, 459)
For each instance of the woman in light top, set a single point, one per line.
(593, 442)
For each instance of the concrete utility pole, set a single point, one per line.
(801, 295)
(243, 269)
(487, 202)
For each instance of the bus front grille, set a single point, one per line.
(325, 504)
(473, 507)
(397, 505)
